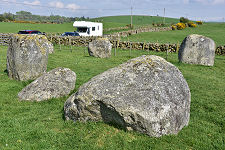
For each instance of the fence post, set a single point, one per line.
(59, 44)
(167, 54)
(51, 37)
(167, 51)
(177, 47)
(143, 48)
(70, 43)
(115, 49)
(118, 43)
(130, 48)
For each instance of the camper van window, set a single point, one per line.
(93, 28)
(82, 29)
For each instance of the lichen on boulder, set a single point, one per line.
(146, 94)
(100, 47)
(27, 56)
(54, 84)
(197, 49)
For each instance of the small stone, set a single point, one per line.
(100, 47)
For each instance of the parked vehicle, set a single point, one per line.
(85, 28)
(29, 32)
(70, 34)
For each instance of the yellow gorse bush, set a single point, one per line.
(199, 22)
(174, 27)
(180, 26)
(191, 24)
(21, 21)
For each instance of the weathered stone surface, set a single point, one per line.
(146, 94)
(197, 49)
(54, 84)
(27, 56)
(100, 47)
(49, 46)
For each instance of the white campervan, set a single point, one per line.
(85, 28)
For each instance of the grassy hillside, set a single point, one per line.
(40, 125)
(108, 22)
(213, 30)
(137, 20)
(216, 31)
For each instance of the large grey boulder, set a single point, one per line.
(146, 94)
(100, 47)
(49, 46)
(197, 49)
(27, 56)
(54, 84)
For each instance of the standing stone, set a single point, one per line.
(100, 47)
(197, 49)
(49, 46)
(146, 94)
(54, 84)
(27, 56)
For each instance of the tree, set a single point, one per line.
(23, 13)
(184, 20)
(2, 18)
(8, 16)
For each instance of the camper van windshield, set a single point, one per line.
(82, 29)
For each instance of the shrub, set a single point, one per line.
(174, 27)
(180, 26)
(2, 18)
(130, 26)
(191, 24)
(184, 20)
(194, 25)
(199, 22)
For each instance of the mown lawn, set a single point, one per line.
(41, 125)
(216, 31)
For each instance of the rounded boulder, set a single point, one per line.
(146, 94)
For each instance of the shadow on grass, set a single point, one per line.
(108, 115)
(6, 71)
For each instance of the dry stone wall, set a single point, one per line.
(115, 40)
(4, 38)
(141, 30)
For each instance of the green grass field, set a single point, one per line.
(10, 27)
(108, 22)
(216, 31)
(40, 125)
(137, 20)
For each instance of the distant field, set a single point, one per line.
(108, 22)
(137, 20)
(216, 31)
(9, 27)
